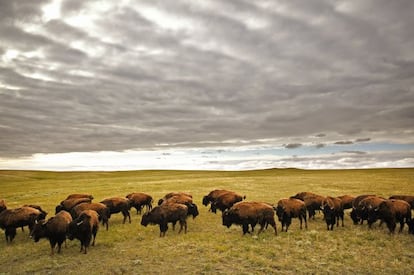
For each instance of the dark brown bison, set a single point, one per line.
(182, 196)
(407, 198)
(312, 201)
(332, 211)
(10, 219)
(118, 204)
(68, 204)
(84, 228)
(100, 208)
(213, 195)
(250, 213)
(366, 209)
(346, 201)
(54, 229)
(187, 201)
(3, 205)
(393, 211)
(164, 214)
(77, 196)
(287, 209)
(225, 201)
(355, 215)
(139, 200)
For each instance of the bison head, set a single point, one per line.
(38, 231)
(227, 218)
(192, 209)
(145, 219)
(206, 200)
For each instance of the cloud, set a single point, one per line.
(292, 145)
(345, 142)
(108, 76)
(362, 139)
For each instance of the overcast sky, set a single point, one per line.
(114, 85)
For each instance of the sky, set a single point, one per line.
(216, 85)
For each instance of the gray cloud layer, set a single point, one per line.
(146, 73)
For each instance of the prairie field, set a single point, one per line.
(209, 247)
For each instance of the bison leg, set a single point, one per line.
(126, 214)
(183, 224)
(306, 222)
(163, 229)
(52, 247)
(245, 227)
(10, 233)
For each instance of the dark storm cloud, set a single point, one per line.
(181, 72)
(292, 145)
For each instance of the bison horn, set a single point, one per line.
(79, 223)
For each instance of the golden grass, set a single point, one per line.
(209, 247)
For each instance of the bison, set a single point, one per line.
(10, 219)
(287, 209)
(347, 201)
(68, 204)
(100, 208)
(392, 211)
(139, 200)
(332, 212)
(355, 213)
(54, 229)
(407, 198)
(213, 195)
(117, 205)
(77, 196)
(84, 228)
(250, 213)
(312, 201)
(225, 201)
(366, 209)
(178, 196)
(166, 213)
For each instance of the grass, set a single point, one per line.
(209, 247)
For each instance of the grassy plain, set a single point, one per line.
(209, 247)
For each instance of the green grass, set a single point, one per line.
(209, 247)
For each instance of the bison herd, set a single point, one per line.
(77, 217)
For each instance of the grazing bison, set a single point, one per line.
(68, 204)
(10, 219)
(312, 201)
(347, 201)
(100, 208)
(166, 213)
(287, 209)
(407, 198)
(77, 196)
(332, 212)
(54, 229)
(213, 195)
(393, 211)
(178, 196)
(84, 228)
(117, 205)
(187, 201)
(139, 200)
(225, 201)
(366, 209)
(355, 215)
(250, 213)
